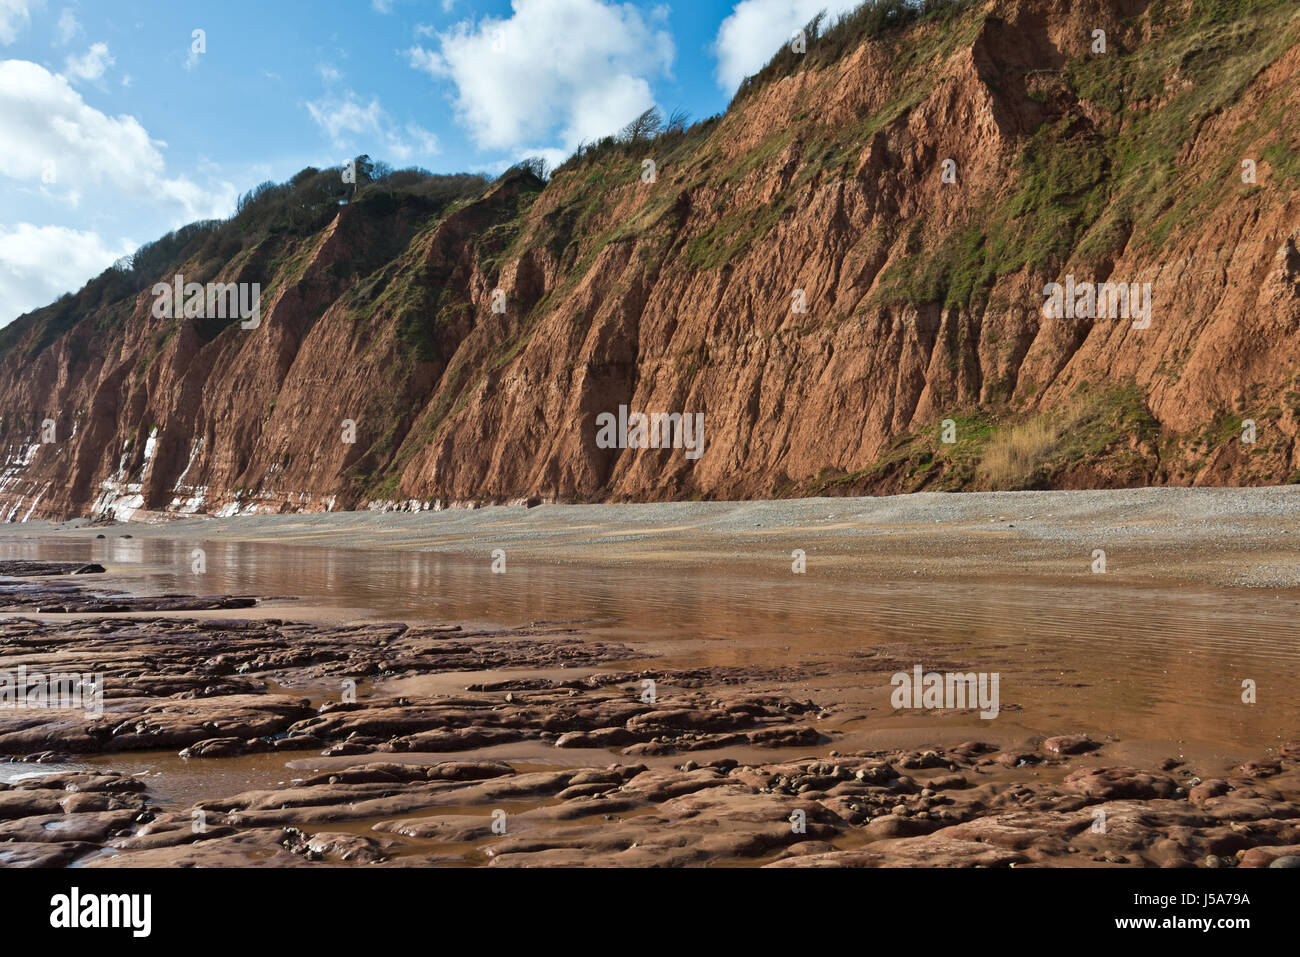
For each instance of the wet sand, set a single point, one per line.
(1145, 659)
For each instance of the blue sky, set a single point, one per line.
(117, 123)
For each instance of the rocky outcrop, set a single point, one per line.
(682, 767)
(845, 275)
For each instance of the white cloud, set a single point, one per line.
(756, 29)
(68, 27)
(40, 263)
(353, 124)
(556, 69)
(346, 116)
(49, 134)
(92, 64)
(329, 72)
(14, 16)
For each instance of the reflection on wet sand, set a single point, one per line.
(1150, 672)
(1144, 661)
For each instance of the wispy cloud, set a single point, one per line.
(68, 28)
(16, 15)
(90, 65)
(353, 123)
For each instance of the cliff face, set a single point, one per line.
(922, 357)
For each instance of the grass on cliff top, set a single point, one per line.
(827, 44)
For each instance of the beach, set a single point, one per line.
(374, 687)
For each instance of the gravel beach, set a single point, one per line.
(1217, 536)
